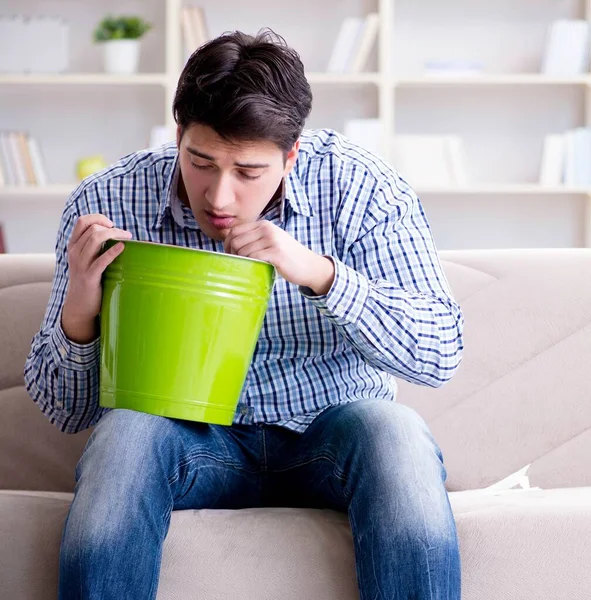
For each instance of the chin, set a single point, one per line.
(218, 235)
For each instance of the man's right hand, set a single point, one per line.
(86, 265)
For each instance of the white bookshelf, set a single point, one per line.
(54, 190)
(343, 78)
(504, 190)
(86, 79)
(519, 79)
(399, 98)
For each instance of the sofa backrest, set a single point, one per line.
(34, 455)
(522, 395)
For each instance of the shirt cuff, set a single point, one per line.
(345, 301)
(69, 354)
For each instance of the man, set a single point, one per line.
(361, 298)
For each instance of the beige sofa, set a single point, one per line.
(522, 396)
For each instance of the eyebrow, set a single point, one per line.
(237, 164)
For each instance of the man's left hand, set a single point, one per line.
(295, 263)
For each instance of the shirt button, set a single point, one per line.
(59, 404)
(244, 410)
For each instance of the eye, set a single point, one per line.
(249, 177)
(201, 167)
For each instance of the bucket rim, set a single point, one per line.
(200, 250)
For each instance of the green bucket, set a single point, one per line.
(178, 330)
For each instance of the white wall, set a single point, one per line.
(502, 127)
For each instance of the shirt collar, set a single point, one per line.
(170, 193)
(292, 191)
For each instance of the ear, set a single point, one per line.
(179, 136)
(291, 158)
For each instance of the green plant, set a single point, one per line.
(120, 28)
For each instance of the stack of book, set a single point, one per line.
(430, 160)
(354, 44)
(567, 48)
(566, 159)
(195, 29)
(35, 45)
(366, 133)
(21, 162)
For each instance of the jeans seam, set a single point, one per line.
(429, 545)
(264, 444)
(191, 457)
(336, 471)
(305, 462)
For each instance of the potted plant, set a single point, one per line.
(121, 39)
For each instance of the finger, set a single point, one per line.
(92, 242)
(237, 231)
(237, 243)
(266, 255)
(84, 222)
(104, 260)
(254, 247)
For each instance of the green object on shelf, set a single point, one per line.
(90, 165)
(178, 330)
(121, 28)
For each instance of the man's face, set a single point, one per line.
(227, 184)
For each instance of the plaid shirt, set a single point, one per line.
(388, 314)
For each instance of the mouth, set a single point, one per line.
(222, 221)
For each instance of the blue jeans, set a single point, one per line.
(374, 460)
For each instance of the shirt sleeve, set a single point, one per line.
(62, 376)
(390, 298)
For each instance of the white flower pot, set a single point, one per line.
(121, 57)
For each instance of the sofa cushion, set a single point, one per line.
(520, 397)
(34, 455)
(514, 546)
(522, 393)
(25, 283)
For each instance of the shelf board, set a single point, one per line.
(504, 189)
(343, 78)
(58, 190)
(488, 80)
(84, 79)
(63, 190)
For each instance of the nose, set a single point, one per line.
(220, 194)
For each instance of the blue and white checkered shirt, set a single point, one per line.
(388, 314)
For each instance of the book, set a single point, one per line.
(457, 159)
(567, 48)
(34, 45)
(577, 157)
(37, 161)
(366, 42)
(6, 160)
(453, 68)
(422, 160)
(189, 34)
(366, 133)
(430, 160)
(13, 45)
(552, 163)
(17, 160)
(345, 44)
(25, 157)
(200, 25)
(160, 135)
(195, 29)
(553, 160)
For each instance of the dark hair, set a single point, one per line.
(246, 88)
